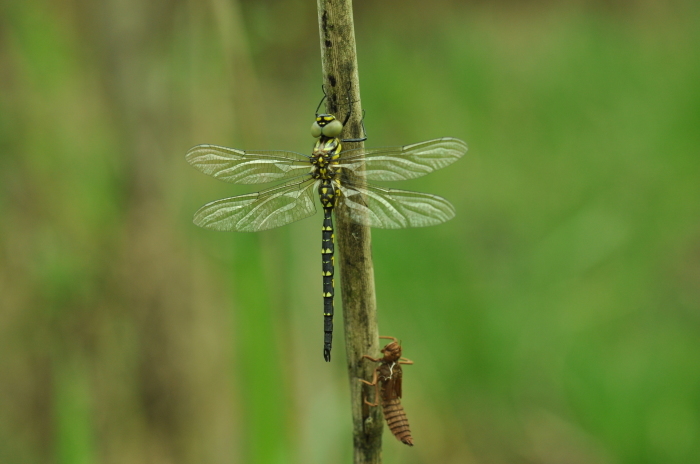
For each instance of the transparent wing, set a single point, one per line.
(258, 211)
(394, 209)
(401, 163)
(241, 167)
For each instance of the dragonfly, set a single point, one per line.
(300, 177)
(388, 378)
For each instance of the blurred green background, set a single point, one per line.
(554, 320)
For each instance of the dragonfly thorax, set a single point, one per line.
(324, 159)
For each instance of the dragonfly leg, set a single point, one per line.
(405, 361)
(372, 404)
(374, 383)
(364, 131)
(323, 89)
(347, 118)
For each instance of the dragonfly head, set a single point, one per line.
(326, 125)
(392, 351)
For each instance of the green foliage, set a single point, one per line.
(554, 320)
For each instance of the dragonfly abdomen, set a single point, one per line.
(328, 198)
(396, 420)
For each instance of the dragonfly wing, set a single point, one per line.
(242, 167)
(264, 210)
(407, 162)
(394, 209)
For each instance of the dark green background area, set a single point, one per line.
(555, 320)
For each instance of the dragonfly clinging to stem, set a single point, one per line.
(300, 176)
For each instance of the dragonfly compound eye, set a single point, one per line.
(316, 130)
(333, 128)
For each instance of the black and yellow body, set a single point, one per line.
(324, 161)
(301, 177)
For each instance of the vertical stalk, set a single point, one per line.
(341, 83)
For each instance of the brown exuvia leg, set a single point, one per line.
(374, 383)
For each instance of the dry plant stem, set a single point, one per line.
(340, 77)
